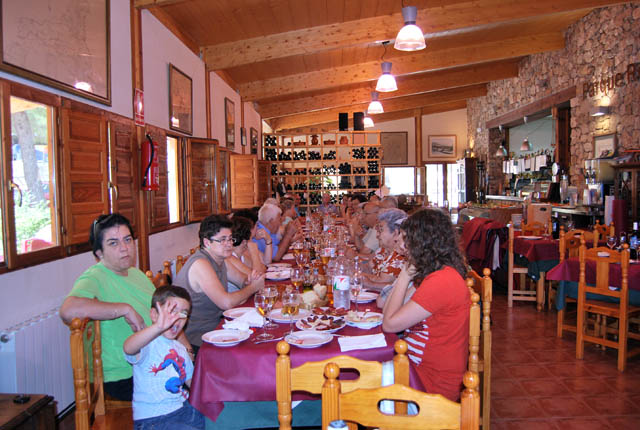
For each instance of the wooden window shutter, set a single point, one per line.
(84, 166)
(244, 181)
(264, 181)
(201, 178)
(222, 180)
(124, 181)
(160, 198)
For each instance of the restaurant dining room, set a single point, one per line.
(319, 214)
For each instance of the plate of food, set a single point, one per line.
(236, 312)
(276, 315)
(276, 267)
(365, 297)
(530, 237)
(324, 323)
(226, 337)
(323, 310)
(364, 320)
(278, 275)
(308, 339)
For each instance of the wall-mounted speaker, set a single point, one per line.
(358, 121)
(343, 121)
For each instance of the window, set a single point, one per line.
(172, 178)
(442, 184)
(400, 180)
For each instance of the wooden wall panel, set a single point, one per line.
(124, 175)
(244, 181)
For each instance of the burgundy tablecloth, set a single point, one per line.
(569, 270)
(537, 249)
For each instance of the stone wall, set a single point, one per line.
(597, 47)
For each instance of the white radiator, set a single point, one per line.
(35, 358)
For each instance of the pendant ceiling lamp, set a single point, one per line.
(386, 81)
(526, 145)
(502, 151)
(410, 37)
(375, 106)
(368, 122)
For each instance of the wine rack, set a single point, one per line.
(337, 163)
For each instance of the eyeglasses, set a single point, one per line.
(227, 239)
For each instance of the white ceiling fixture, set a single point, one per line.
(375, 106)
(410, 37)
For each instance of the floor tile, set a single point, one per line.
(522, 371)
(553, 356)
(589, 386)
(545, 387)
(517, 408)
(565, 407)
(591, 423)
(612, 405)
(625, 423)
(525, 425)
(507, 388)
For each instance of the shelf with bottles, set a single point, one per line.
(324, 146)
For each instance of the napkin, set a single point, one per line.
(236, 325)
(368, 341)
(288, 256)
(250, 319)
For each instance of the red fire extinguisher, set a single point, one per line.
(150, 170)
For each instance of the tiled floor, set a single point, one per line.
(538, 383)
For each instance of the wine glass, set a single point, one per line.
(291, 306)
(570, 225)
(260, 302)
(611, 242)
(356, 288)
(271, 293)
(297, 277)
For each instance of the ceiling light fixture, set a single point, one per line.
(368, 122)
(501, 151)
(410, 37)
(526, 145)
(375, 106)
(386, 81)
(600, 111)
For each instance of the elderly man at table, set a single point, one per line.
(366, 242)
(327, 208)
(269, 219)
(115, 292)
(205, 276)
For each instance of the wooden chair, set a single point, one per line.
(621, 309)
(434, 411)
(536, 228)
(162, 278)
(90, 398)
(309, 377)
(480, 361)
(604, 231)
(522, 293)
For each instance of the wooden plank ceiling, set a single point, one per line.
(303, 61)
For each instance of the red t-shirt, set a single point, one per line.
(439, 345)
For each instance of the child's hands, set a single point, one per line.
(167, 315)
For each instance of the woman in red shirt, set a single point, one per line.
(436, 318)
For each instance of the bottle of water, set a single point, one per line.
(337, 425)
(341, 283)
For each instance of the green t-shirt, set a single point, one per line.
(135, 289)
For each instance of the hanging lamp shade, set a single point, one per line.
(526, 145)
(501, 151)
(386, 81)
(368, 122)
(375, 106)
(410, 37)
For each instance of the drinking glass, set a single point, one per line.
(611, 242)
(356, 288)
(260, 302)
(570, 225)
(297, 277)
(291, 306)
(271, 293)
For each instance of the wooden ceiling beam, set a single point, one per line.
(407, 85)
(422, 61)
(401, 103)
(168, 21)
(144, 4)
(353, 33)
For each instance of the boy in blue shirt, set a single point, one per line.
(162, 369)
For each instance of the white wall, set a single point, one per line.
(159, 48)
(252, 119)
(453, 122)
(168, 244)
(220, 90)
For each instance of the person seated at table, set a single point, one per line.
(241, 259)
(436, 318)
(296, 202)
(162, 369)
(250, 255)
(269, 220)
(366, 242)
(389, 259)
(327, 208)
(374, 197)
(288, 212)
(114, 292)
(205, 276)
(388, 202)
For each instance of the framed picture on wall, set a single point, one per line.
(394, 148)
(442, 147)
(253, 138)
(229, 123)
(604, 145)
(180, 101)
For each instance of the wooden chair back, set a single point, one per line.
(513, 293)
(309, 377)
(162, 278)
(603, 231)
(86, 362)
(434, 411)
(480, 355)
(569, 243)
(536, 228)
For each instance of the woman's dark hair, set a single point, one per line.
(361, 198)
(241, 229)
(246, 213)
(211, 225)
(161, 294)
(432, 243)
(102, 223)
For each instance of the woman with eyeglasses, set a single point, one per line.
(115, 292)
(205, 275)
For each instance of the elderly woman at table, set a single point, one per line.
(269, 220)
(436, 318)
(205, 276)
(389, 259)
(242, 259)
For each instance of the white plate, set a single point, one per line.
(236, 312)
(288, 256)
(276, 315)
(279, 275)
(308, 339)
(277, 267)
(226, 337)
(318, 324)
(530, 237)
(371, 320)
(365, 297)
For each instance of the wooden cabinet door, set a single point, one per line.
(124, 178)
(84, 166)
(244, 181)
(264, 181)
(201, 159)
(222, 180)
